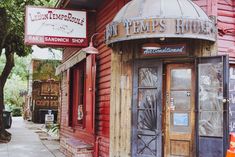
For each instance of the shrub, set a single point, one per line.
(16, 111)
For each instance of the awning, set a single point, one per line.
(140, 19)
(78, 57)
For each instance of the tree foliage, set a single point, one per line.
(16, 82)
(12, 42)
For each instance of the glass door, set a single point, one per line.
(147, 109)
(179, 123)
(212, 115)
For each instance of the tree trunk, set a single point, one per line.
(4, 135)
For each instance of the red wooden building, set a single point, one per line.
(104, 102)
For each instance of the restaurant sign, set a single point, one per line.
(48, 26)
(153, 49)
(160, 28)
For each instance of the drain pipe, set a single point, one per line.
(98, 139)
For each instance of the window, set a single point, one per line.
(81, 96)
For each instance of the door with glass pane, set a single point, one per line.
(179, 122)
(147, 109)
(212, 124)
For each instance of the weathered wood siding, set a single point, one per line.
(121, 100)
(97, 23)
(226, 26)
(224, 11)
(104, 15)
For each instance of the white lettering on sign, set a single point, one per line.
(77, 40)
(150, 49)
(56, 39)
(35, 39)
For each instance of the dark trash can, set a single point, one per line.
(7, 119)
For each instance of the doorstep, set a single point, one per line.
(76, 148)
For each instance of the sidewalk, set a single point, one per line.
(25, 142)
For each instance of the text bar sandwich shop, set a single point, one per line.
(167, 81)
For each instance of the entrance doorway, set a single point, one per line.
(183, 115)
(179, 110)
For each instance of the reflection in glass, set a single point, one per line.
(181, 79)
(210, 99)
(211, 123)
(181, 100)
(146, 95)
(148, 77)
(232, 99)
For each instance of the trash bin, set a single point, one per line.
(7, 119)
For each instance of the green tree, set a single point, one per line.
(12, 42)
(17, 80)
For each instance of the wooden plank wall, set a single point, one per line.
(67, 131)
(224, 10)
(105, 15)
(121, 98)
(226, 25)
(97, 23)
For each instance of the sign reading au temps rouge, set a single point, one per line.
(131, 29)
(47, 26)
(153, 49)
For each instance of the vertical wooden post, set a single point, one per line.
(120, 104)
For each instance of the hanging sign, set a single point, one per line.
(47, 26)
(153, 49)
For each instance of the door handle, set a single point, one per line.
(225, 100)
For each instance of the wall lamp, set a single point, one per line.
(91, 49)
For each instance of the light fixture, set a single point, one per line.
(91, 49)
(162, 38)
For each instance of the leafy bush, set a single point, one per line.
(16, 111)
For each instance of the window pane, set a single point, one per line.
(210, 123)
(181, 100)
(210, 99)
(147, 110)
(232, 99)
(181, 79)
(211, 87)
(146, 96)
(148, 77)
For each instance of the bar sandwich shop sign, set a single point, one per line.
(48, 26)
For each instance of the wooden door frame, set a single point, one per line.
(166, 124)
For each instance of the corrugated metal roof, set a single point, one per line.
(141, 9)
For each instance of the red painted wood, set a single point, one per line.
(226, 26)
(89, 95)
